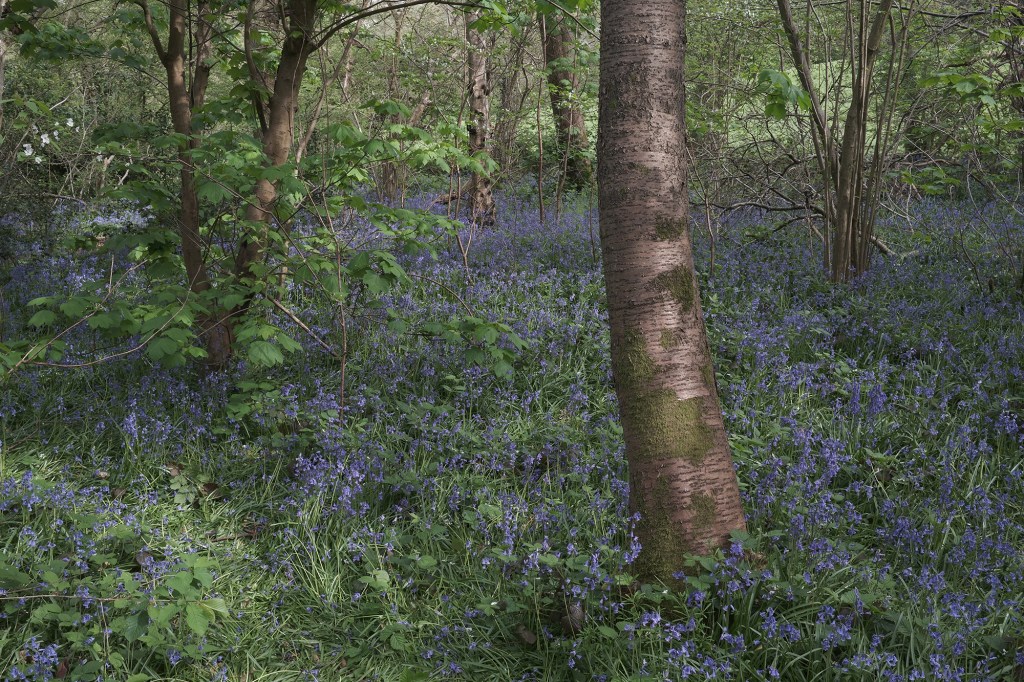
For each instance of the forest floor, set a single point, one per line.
(159, 524)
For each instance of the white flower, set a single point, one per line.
(70, 122)
(44, 139)
(99, 158)
(28, 150)
(39, 159)
(56, 134)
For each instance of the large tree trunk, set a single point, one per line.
(481, 200)
(280, 131)
(183, 96)
(682, 480)
(563, 83)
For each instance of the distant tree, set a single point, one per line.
(479, 45)
(3, 61)
(563, 87)
(851, 163)
(682, 480)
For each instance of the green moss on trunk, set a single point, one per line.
(667, 229)
(665, 426)
(678, 282)
(704, 508)
(664, 546)
(634, 367)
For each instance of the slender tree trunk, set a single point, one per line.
(563, 82)
(1014, 53)
(3, 63)
(851, 227)
(391, 172)
(280, 132)
(342, 70)
(216, 327)
(682, 480)
(481, 200)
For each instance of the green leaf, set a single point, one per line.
(214, 192)
(265, 354)
(180, 582)
(775, 110)
(101, 321)
(73, 307)
(42, 318)
(162, 615)
(198, 620)
(161, 347)
(398, 642)
(375, 283)
(12, 578)
(426, 561)
(288, 343)
(379, 579)
(502, 368)
(216, 605)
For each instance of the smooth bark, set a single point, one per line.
(682, 479)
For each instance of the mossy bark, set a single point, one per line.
(682, 480)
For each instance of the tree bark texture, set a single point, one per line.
(481, 199)
(563, 83)
(216, 327)
(280, 132)
(682, 479)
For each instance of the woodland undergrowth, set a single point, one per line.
(436, 520)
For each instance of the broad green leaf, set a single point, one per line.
(198, 620)
(265, 354)
(42, 318)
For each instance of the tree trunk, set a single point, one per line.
(280, 132)
(682, 480)
(216, 327)
(342, 70)
(563, 83)
(3, 63)
(851, 227)
(481, 200)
